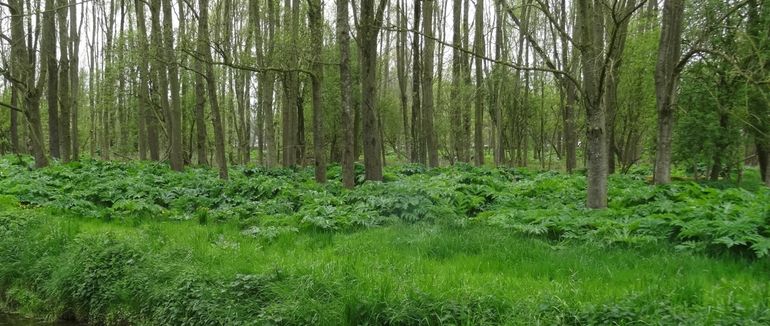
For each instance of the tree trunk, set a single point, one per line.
(74, 49)
(346, 92)
(669, 52)
(315, 18)
(591, 32)
(427, 85)
(457, 106)
(175, 112)
(50, 68)
(14, 123)
(418, 136)
(200, 113)
(368, 32)
(203, 48)
(401, 73)
(478, 43)
(65, 143)
(23, 68)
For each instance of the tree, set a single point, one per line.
(368, 30)
(401, 73)
(591, 31)
(758, 99)
(315, 17)
(666, 76)
(51, 70)
(23, 62)
(478, 44)
(205, 52)
(65, 102)
(174, 114)
(74, 49)
(427, 84)
(418, 135)
(346, 93)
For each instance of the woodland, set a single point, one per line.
(385, 162)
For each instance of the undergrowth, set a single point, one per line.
(134, 243)
(270, 202)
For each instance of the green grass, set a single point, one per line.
(115, 243)
(182, 272)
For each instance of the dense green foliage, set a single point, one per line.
(266, 203)
(112, 242)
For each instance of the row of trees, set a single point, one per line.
(547, 80)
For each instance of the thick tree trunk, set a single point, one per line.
(50, 68)
(205, 51)
(669, 52)
(427, 84)
(368, 32)
(23, 69)
(315, 17)
(146, 111)
(591, 31)
(346, 92)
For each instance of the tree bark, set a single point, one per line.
(669, 52)
(401, 73)
(346, 92)
(591, 32)
(74, 49)
(427, 84)
(65, 103)
(203, 48)
(368, 31)
(478, 42)
(315, 18)
(418, 136)
(23, 68)
(175, 112)
(51, 70)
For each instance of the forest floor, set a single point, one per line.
(113, 243)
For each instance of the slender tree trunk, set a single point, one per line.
(200, 114)
(669, 52)
(14, 123)
(456, 136)
(65, 143)
(315, 17)
(269, 87)
(498, 85)
(418, 138)
(478, 43)
(346, 93)
(203, 48)
(401, 73)
(74, 49)
(427, 84)
(175, 112)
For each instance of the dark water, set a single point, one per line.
(14, 320)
